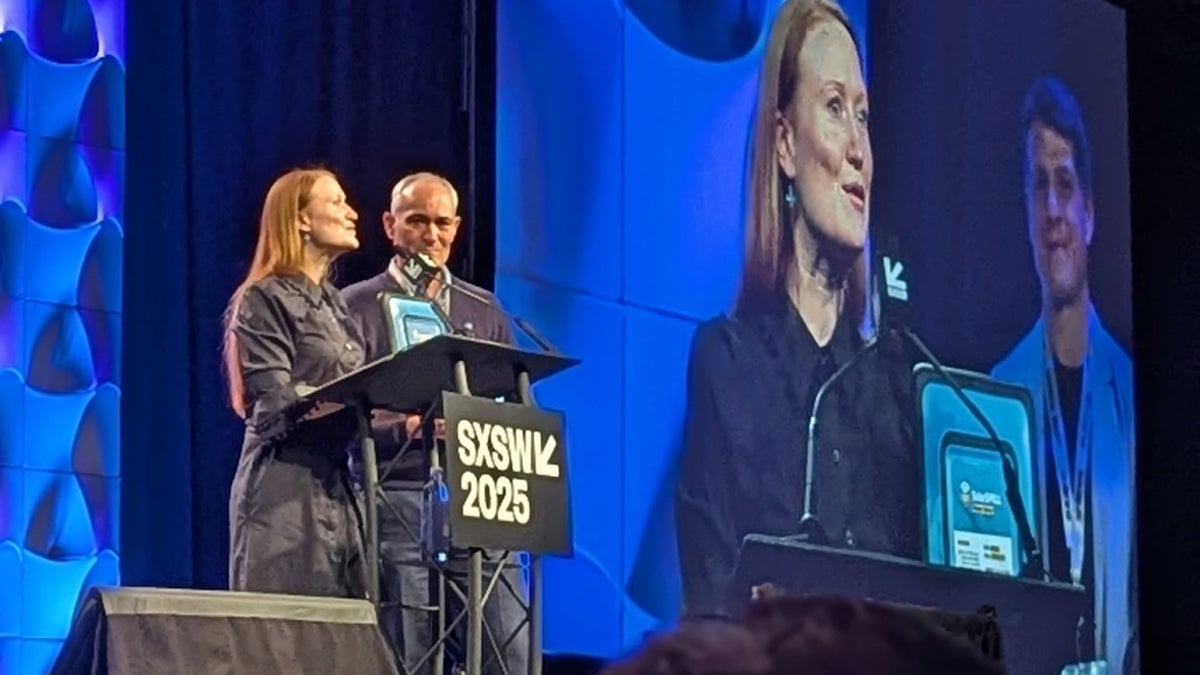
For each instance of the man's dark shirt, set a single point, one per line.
(751, 386)
(467, 314)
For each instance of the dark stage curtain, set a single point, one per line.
(223, 96)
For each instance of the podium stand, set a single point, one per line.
(413, 381)
(1037, 620)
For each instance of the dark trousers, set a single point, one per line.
(405, 587)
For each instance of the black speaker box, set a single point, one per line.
(130, 631)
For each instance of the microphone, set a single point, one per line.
(893, 295)
(420, 270)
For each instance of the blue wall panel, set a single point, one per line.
(62, 162)
(560, 107)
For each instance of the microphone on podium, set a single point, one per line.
(421, 270)
(413, 316)
(418, 269)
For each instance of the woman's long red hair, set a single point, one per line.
(280, 250)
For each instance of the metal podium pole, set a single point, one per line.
(525, 389)
(370, 486)
(474, 569)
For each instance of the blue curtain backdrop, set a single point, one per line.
(224, 96)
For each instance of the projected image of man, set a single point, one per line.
(1080, 378)
(423, 219)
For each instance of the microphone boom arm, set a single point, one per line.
(524, 325)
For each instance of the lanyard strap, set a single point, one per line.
(1072, 478)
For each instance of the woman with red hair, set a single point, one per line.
(294, 524)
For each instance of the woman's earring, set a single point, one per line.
(789, 196)
(305, 237)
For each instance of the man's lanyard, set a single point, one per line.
(1072, 480)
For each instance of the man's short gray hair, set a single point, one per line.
(420, 177)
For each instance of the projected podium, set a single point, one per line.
(503, 486)
(1037, 620)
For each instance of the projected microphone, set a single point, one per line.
(893, 295)
(810, 527)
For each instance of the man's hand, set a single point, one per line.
(412, 425)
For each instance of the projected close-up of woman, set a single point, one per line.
(753, 376)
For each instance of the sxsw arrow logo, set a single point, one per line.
(412, 270)
(893, 271)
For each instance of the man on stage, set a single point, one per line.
(1080, 378)
(423, 219)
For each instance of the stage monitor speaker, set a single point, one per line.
(130, 631)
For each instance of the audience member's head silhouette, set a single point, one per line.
(810, 636)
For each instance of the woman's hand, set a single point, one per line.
(322, 409)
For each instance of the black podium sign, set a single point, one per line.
(506, 467)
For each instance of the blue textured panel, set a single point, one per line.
(57, 354)
(56, 92)
(590, 329)
(52, 420)
(63, 30)
(62, 135)
(108, 173)
(12, 418)
(13, 94)
(12, 321)
(61, 190)
(102, 115)
(14, 16)
(67, 547)
(103, 331)
(54, 279)
(13, 234)
(12, 529)
(96, 449)
(100, 279)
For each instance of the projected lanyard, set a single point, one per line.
(1072, 480)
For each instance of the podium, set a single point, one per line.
(1038, 620)
(413, 381)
